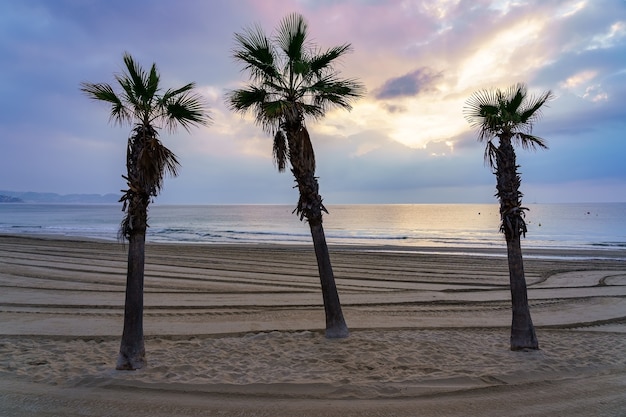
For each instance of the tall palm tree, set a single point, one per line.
(142, 104)
(508, 116)
(291, 80)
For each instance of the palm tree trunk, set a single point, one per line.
(310, 205)
(132, 349)
(335, 323)
(522, 329)
(513, 225)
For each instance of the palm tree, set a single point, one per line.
(142, 103)
(290, 81)
(509, 116)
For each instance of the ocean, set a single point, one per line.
(556, 226)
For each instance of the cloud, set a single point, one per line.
(407, 141)
(409, 85)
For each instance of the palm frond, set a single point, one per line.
(291, 37)
(164, 159)
(321, 62)
(244, 99)
(134, 102)
(182, 107)
(104, 92)
(490, 155)
(312, 110)
(101, 91)
(280, 150)
(301, 152)
(136, 80)
(300, 69)
(527, 141)
(186, 110)
(532, 111)
(154, 160)
(152, 82)
(171, 93)
(257, 52)
(481, 112)
(333, 91)
(514, 97)
(268, 112)
(275, 109)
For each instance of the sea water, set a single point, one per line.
(560, 226)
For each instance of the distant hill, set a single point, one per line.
(32, 197)
(9, 199)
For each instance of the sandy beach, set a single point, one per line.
(237, 330)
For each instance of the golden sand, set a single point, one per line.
(238, 330)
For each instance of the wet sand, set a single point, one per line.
(238, 330)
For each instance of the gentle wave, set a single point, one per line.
(575, 226)
(610, 244)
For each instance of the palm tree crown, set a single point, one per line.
(142, 103)
(290, 80)
(508, 115)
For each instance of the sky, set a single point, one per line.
(404, 141)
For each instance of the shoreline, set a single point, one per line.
(238, 330)
(557, 253)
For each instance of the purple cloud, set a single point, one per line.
(409, 85)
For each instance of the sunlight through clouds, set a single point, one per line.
(420, 121)
(498, 58)
(435, 124)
